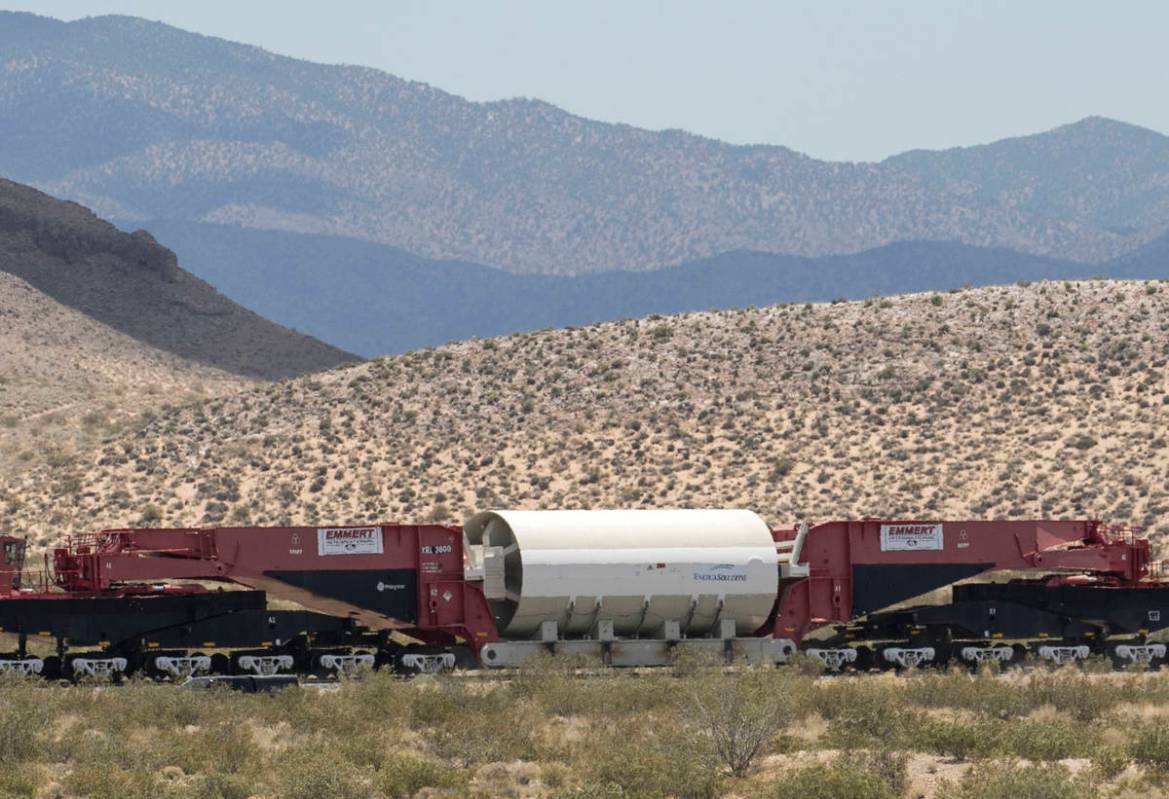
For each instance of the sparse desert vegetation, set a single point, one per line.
(1045, 399)
(551, 731)
(68, 381)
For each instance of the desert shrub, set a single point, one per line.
(93, 748)
(306, 712)
(692, 662)
(391, 694)
(890, 767)
(554, 775)
(627, 695)
(994, 780)
(664, 761)
(19, 780)
(1072, 692)
(834, 780)
(146, 704)
(110, 782)
(953, 738)
(223, 748)
(1052, 739)
(475, 726)
(833, 699)
(402, 775)
(552, 682)
(22, 719)
(981, 692)
(1149, 746)
(214, 786)
(805, 665)
(740, 713)
(874, 717)
(1068, 691)
(313, 773)
(1109, 761)
(605, 790)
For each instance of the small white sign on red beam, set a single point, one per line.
(911, 537)
(349, 541)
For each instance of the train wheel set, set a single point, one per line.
(628, 588)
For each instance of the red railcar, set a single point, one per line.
(416, 597)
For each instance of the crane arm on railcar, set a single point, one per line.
(385, 577)
(841, 570)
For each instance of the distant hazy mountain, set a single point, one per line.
(128, 283)
(142, 121)
(374, 299)
(1151, 260)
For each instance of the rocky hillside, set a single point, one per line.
(1046, 399)
(140, 120)
(129, 283)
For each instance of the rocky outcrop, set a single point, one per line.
(136, 286)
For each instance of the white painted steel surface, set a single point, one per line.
(641, 651)
(180, 667)
(636, 568)
(24, 667)
(265, 665)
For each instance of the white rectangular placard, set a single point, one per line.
(910, 537)
(349, 541)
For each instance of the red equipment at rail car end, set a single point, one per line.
(629, 587)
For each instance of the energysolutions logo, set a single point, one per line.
(721, 573)
(349, 541)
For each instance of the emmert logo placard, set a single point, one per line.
(349, 541)
(910, 537)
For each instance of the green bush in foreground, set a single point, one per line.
(403, 775)
(1149, 746)
(1009, 780)
(650, 763)
(837, 780)
(741, 714)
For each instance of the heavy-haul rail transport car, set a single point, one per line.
(630, 587)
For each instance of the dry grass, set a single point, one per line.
(1041, 400)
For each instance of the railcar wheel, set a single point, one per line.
(433, 659)
(327, 663)
(1137, 655)
(866, 659)
(51, 669)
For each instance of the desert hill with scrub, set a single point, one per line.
(130, 283)
(98, 326)
(67, 380)
(1044, 399)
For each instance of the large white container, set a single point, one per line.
(647, 571)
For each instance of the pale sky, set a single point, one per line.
(837, 80)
